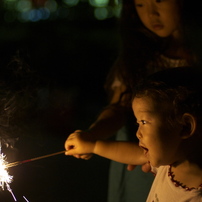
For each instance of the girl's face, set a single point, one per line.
(162, 17)
(160, 142)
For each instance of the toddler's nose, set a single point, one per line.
(138, 134)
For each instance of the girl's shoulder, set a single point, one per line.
(171, 62)
(161, 62)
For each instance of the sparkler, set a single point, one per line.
(6, 179)
(33, 159)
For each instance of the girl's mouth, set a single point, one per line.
(157, 26)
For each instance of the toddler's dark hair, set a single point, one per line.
(176, 91)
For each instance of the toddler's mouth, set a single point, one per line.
(145, 149)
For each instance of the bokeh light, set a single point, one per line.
(34, 11)
(23, 5)
(71, 2)
(99, 3)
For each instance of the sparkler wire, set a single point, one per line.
(33, 159)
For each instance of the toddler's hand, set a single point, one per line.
(79, 145)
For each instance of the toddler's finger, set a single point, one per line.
(85, 156)
(131, 167)
(71, 152)
(146, 167)
(77, 131)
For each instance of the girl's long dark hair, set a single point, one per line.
(139, 46)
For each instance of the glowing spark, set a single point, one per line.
(5, 178)
(25, 198)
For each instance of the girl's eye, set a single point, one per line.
(139, 5)
(159, 1)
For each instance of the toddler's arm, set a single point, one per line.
(123, 152)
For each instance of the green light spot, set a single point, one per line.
(101, 13)
(98, 3)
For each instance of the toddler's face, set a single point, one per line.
(159, 16)
(160, 141)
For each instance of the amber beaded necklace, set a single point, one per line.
(179, 184)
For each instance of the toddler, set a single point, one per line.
(168, 109)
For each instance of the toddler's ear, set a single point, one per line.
(189, 125)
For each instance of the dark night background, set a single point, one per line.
(72, 54)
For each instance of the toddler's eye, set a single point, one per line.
(158, 1)
(143, 122)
